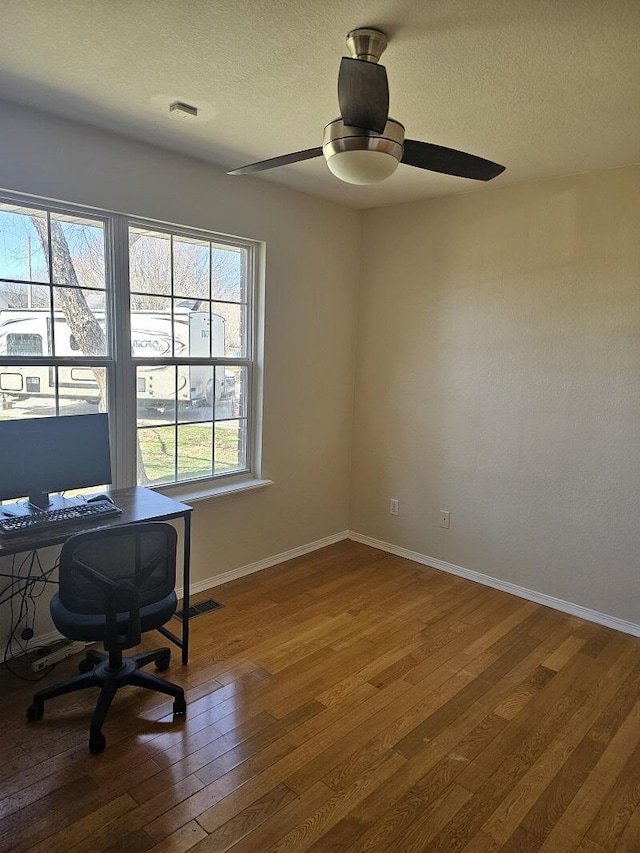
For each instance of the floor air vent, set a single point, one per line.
(198, 609)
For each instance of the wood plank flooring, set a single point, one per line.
(351, 701)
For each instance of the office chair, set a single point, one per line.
(114, 585)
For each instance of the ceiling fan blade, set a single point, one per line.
(296, 157)
(363, 94)
(435, 158)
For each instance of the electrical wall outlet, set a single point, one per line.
(394, 506)
(444, 518)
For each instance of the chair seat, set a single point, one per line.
(90, 627)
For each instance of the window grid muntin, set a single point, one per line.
(211, 338)
(51, 308)
(172, 307)
(48, 284)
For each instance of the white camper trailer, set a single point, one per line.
(28, 333)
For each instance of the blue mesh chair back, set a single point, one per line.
(140, 555)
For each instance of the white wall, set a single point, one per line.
(311, 280)
(498, 378)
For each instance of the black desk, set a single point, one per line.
(137, 504)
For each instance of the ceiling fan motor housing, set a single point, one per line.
(343, 148)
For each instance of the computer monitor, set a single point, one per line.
(42, 455)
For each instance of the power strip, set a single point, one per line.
(59, 651)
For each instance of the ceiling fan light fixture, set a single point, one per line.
(359, 156)
(362, 167)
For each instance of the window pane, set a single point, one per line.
(80, 326)
(230, 447)
(151, 327)
(157, 455)
(78, 251)
(15, 294)
(231, 392)
(23, 243)
(156, 395)
(25, 332)
(228, 274)
(195, 451)
(30, 391)
(82, 390)
(149, 261)
(27, 392)
(234, 318)
(191, 268)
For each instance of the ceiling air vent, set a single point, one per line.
(178, 109)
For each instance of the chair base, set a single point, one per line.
(110, 672)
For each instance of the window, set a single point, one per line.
(152, 323)
(188, 316)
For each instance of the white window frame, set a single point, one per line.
(120, 364)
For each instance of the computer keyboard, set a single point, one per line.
(85, 512)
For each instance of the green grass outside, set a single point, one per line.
(157, 446)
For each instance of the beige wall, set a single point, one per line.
(498, 378)
(311, 280)
(498, 370)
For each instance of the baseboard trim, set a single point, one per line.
(505, 586)
(242, 571)
(569, 607)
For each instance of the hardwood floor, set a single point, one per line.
(352, 701)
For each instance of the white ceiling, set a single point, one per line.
(546, 87)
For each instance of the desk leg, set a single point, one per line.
(186, 583)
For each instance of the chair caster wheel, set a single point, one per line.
(179, 706)
(35, 712)
(163, 663)
(85, 665)
(97, 742)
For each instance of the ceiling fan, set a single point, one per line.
(364, 145)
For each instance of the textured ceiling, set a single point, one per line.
(546, 87)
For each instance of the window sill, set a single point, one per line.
(204, 492)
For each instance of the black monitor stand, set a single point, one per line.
(41, 500)
(38, 502)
